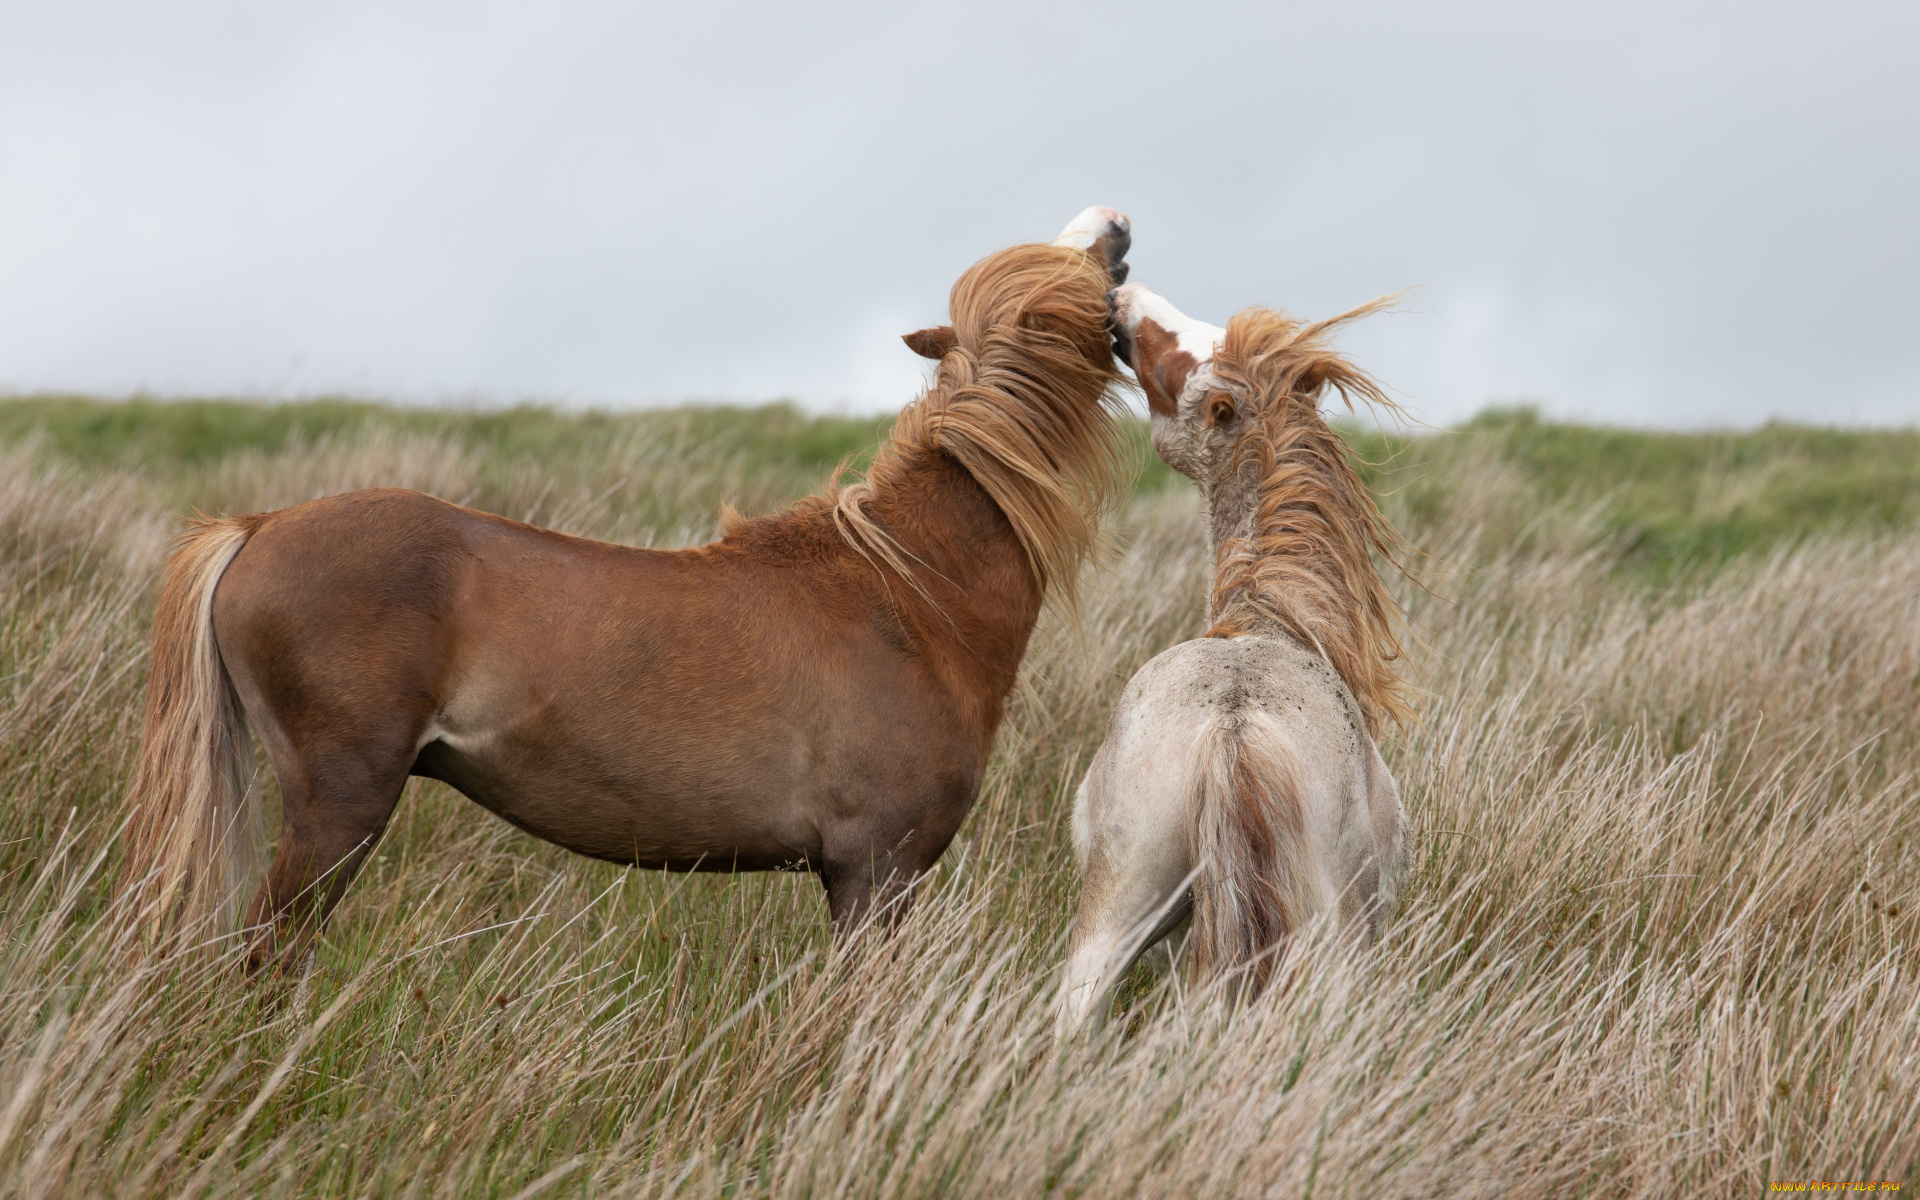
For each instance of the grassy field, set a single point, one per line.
(1659, 936)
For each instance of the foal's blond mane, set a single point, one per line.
(1020, 403)
(1309, 563)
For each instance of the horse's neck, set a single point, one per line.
(984, 598)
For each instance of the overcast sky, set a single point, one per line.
(1672, 213)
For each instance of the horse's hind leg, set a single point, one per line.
(335, 802)
(333, 624)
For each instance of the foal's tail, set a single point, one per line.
(1256, 881)
(196, 835)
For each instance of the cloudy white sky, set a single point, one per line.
(1644, 213)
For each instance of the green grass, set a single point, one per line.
(1662, 501)
(1655, 501)
(1660, 935)
(173, 434)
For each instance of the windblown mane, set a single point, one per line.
(1309, 565)
(1020, 402)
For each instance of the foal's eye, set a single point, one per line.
(1220, 409)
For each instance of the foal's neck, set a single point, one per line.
(1233, 515)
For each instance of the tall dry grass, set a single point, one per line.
(1659, 935)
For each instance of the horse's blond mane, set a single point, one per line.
(1309, 563)
(1020, 403)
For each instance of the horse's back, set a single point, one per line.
(680, 707)
(377, 600)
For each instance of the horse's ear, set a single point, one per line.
(931, 343)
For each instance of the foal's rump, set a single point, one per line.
(1239, 769)
(1290, 815)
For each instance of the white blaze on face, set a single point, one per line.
(1091, 225)
(1134, 304)
(1172, 352)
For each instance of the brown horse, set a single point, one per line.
(817, 690)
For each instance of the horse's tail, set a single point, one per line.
(196, 836)
(1256, 880)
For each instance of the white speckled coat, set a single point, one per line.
(1133, 815)
(1229, 762)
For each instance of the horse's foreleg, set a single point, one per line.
(334, 808)
(879, 890)
(871, 878)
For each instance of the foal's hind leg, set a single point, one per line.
(1123, 914)
(1133, 891)
(336, 798)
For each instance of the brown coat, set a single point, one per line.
(818, 690)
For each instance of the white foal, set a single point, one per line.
(1239, 783)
